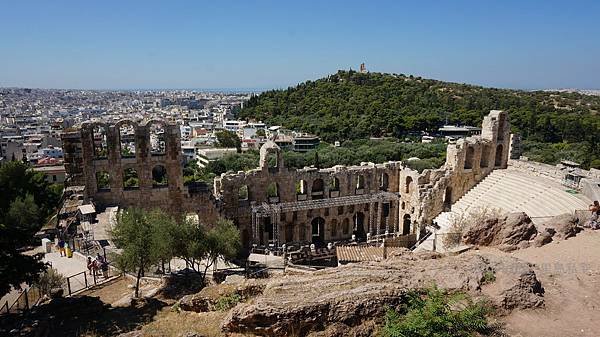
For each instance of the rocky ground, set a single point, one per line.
(552, 290)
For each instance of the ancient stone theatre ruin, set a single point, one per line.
(130, 163)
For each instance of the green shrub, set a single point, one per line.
(49, 280)
(488, 277)
(437, 313)
(227, 302)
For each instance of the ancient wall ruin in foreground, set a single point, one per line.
(275, 205)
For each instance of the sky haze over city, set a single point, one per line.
(274, 44)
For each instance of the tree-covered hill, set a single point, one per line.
(352, 105)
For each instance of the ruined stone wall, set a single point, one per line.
(467, 162)
(114, 162)
(366, 200)
(340, 222)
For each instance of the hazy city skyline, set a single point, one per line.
(269, 44)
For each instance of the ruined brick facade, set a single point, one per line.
(274, 205)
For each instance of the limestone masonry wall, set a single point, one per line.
(273, 205)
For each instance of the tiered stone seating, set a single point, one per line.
(511, 190)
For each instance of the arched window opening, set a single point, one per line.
(318, 228)
(317, 189)
(499, 154)
(130, 179)
(127, 140)
(485, 157)
(102, 181)
(384, 181)
(272, 160)
(273, 192)
(100, 142)
(157, 139)
(334, 187)
(469, 158)
(359, 226)
(409, 181)
(159, 176)
(243, 193)
(301, 190)
(346, 226)
(360, 184)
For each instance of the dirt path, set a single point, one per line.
(570, 274)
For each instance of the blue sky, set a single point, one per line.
(264, 44)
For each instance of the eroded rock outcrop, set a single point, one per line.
(507, 232)
(564, 226)
(208, 298)
(352, 294)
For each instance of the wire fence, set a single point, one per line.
(25, 301)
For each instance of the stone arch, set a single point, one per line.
(317, 188)
(273, 192)
(499, 155)
(384, 181)
(102, 181)
(131, 179)
(469, 157)
(100, 140)
(485, 156)
(318, 230)
(271, 149)
(157, 139)
(127, 142)
(159, 176)
(409, 181)
(406, 224)
(243, 193)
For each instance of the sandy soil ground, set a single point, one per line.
(570, 274)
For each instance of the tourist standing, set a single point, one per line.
(61, 247)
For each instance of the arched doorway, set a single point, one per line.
(318, 230)
(359, 227)
(499, 155)
(406, 225)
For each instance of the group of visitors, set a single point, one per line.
(98, 264)
(594, 222)
(64, 249)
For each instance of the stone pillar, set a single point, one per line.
(371, 213)
(379, 213)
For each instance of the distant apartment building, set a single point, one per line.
(305, 142)
(210, 154)
(54, 174)
(52, 152)
(233, 125)
(451, 131)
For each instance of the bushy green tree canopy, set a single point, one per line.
(351, 105)
(26, 201)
